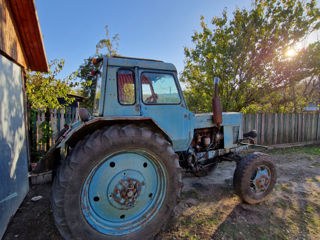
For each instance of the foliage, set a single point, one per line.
(88, 82)
(247, 54)
(43, 89)
(109, 43)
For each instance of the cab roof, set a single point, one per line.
(121, 61)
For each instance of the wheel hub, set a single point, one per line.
(126, 192)
(123, 192)
(260, 179)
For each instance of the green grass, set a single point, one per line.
(313, 150)
(309, 209)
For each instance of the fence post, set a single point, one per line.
(256, 126)
(287, 127)
(37, 131)
(313, 132)
(281, 128)
(318, 127)
(292, 127)
(61, 119)
(77, 114)
(270, 128)
(262, 128)
(275, 133)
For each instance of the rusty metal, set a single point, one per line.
(126, 192)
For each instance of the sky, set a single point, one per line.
(147, 28)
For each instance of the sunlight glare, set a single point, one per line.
(290, 53)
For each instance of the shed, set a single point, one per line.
(21, 48)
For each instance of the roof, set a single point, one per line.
(141, 63)
(146, 59)
(26, 19)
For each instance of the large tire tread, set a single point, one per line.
(107, 136)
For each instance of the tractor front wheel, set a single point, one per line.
(254, 177)
(121, 182)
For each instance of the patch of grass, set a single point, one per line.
(279, 204)
(313, 150)
(309, 209)
(315, 221)
(194, 238)
(283, 187)
(213, 222)
(201, 220)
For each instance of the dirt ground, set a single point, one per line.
(210, 210)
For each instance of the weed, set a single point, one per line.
(315, 221)
(194, 238)
(213, 222)
(309, 209)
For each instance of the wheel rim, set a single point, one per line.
(123, 192)
(260, 179)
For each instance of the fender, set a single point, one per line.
(79, 130)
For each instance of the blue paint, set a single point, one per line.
(229, 120)
(103, 204)
(14, 182)
(9, 197)
(175, 120)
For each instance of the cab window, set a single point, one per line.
(159, 88)
(126, 87)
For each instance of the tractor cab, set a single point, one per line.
(146, 88)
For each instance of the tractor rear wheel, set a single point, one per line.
(121, 182)
(254, 177)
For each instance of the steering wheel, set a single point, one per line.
(152, 99)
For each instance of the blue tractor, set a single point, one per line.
(118, 173)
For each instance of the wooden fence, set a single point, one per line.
(57, 120)
(272, 128)
(283, 128)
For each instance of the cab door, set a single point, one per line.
(121, 92)
(162, 100)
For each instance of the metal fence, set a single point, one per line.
(283, 128)
(272, 128)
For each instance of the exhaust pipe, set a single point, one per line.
(216, 105)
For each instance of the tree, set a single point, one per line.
(247, 54)
(109, 43)
(43, 91)
(88, 82)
